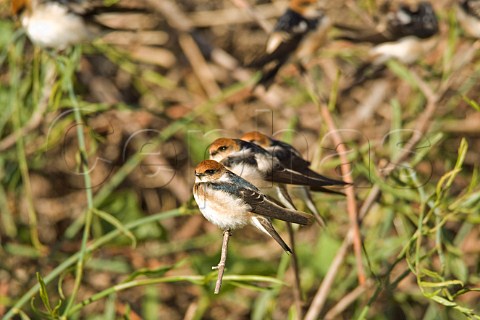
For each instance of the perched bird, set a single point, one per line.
(258, 166)
(468, 15)
(231, 202)
(292, 159)
(59, 24)
(298, 33)
(289, 157)
(401, 36)
(406, 34)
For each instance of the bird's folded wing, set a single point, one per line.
(284, 175)
(328, 181)
(263, 206)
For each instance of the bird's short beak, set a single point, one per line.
(198, 175)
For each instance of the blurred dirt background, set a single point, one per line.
(174, 75)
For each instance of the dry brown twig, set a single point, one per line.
(199, 65)
(322, 293)
(346, 172)
(230, 16)
(259, 18)
(297, 289)
(347, 300)
(422, 125)
(223, 259)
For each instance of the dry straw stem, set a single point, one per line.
(297, 289)
(346, 172)
(347, 300)
(199, 65)
(322, 293)
(259, 18)
(421, 127)
(349, 191)
(36, 118)
(229, 16)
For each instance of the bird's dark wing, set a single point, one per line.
(281, 174)
(421, 22)
(288, 156)
(325, 190)
(291, 27)
(265, 207)
(241, 157)
(268, 227)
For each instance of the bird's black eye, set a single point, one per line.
(223, 148)
(210, 171)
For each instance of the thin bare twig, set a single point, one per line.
(354, 233)
(231, 16)
(199, 65)
(347, 300)
(322, 293)
(221, 265)
(422, 125)
(346, 172)
(259, 18)
(191, 310)
(297, 289)
(349, 191)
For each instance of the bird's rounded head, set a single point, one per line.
(209, 170)
(258, 138)
(304, 7)
(223, 147)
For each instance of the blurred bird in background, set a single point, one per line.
(58, 24)
(298, 34)
(468, 15)
(406, 33)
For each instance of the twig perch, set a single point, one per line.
(421, 126)
(297, 289)
(221, 265)
(346, 171)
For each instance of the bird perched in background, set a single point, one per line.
(468, 15)
(292, 159)
(406, 34)
(231, 202)
(259, 167)
(298, 33)
(58, 24)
